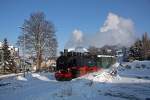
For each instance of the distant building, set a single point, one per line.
(119, 53)
(46, 65)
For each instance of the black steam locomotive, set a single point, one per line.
(75, 64)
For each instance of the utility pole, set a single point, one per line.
(3, 63)
(2, 60)
(24, 55)
(23, 52)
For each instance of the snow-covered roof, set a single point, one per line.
(11, 46)
(71, 49)
(77, 49)
(16, 49)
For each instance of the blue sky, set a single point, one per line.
(68, 15)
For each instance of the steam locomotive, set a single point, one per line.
(75, 64)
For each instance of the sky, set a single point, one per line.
(68, 15)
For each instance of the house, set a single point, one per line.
(48, 65)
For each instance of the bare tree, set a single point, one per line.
(145, 46)
(39, 36)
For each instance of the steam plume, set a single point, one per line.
(75, 40)
(116, 30)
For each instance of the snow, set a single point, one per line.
(1, 44)
(9, 75)
(21, 78)
(40, 77)
(131, 83)
(101, 76)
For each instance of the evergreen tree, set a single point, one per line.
(135, 52)
(6, 54)
(9, 64)
(141, 49)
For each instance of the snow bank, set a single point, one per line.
(40, 77)
(116, 65)
(9, 75)
(103, 75)
(138, 64)
(136, 69)
(21, 78)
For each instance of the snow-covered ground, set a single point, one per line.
(131, 83)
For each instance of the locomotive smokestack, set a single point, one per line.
(65, 52)
(61, 53)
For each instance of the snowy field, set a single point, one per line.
(131, 83)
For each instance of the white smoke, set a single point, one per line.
(76, 39)
(111, 23)
(78, 36)
(115, 31)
